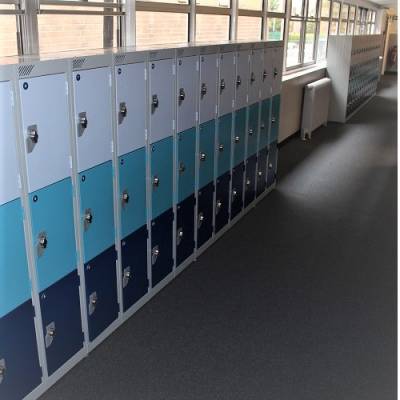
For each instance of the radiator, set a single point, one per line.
(315, 106)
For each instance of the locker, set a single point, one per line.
(250, 180)
(237, 190)
(222, 201)
(45, 129)
(161, 93)
(97, 212)
(242, 78)
(264, 123)
(262, 170)
(8, 155)
(205, 214)
(161, 176)
(239, 140)
(275, 109)
(187, 83)
(53, 232)
(224, 144)
(252, 130)
(226, 88)
(208, 87)
(162, 261)
(272, 164)
(101, 291)
(135, 282)
(277, 70)
(130, 107)
(93, 117)
(266, 87)
(20, 371)
(185, 229)
(186, 163)
(62, 327)
(256, 74)
(206, 153)
(132, 190)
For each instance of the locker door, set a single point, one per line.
(132, 190)
(186, 163)
(262, 171)
(161, 99)
(93, 116)
(185, 229)
(256, 74)
(264, 122)
(222, 201)
(46, 132)
(252, 130)
(277, 70)
(272, 164)
(130, 106)
(269, 69)
(161, 176)
(274, 132)
(205, 214)
(187, 84)
(237, 190)
(242, 78)
(250, 182)
(239, 139)
(208, 87)
(97, 211)
(206, 155)
(224, 144)
(226, 88)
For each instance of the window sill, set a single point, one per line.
(303, 71)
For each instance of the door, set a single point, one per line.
(208, 87)
(226, 82)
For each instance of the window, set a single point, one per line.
(211, 28)
(344, 14)
(325, 9)
(8, 31)
(276, 6)
(351, 22)
(312, 9)
(322, 40)
(214, 3)
(250, 5)
(309, 42)
(249, 28)
(297, 8)
(275, 28)
(335, 10)
(293, 44)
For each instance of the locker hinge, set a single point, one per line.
(112, 146)
(110, 79)
(70, 162)
(197, 65)
(145, 74)
(197, 116)
(66, 89)
(145, 135)
(12, 99)
(19, 181)
(173, 125)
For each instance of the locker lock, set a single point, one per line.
(126, 277)
(88, 218)
(83, 121)
(202, 156)
(93, 299)
(182, 94)
(155, 252)
(251, 131)
(273, 119)
(42, 243)
(50, 334)
(156, 181)
(2, 369)
(238, 81)
(237, 139)
(182, 167)
(264, 75)
(275, 72)
(260, 174)
(252, 77)
(203, 90)
(201, 219)
(33, 134)
(154, 102)
(270, 165)
(222, 84)
(234, 194)
(221, 147)
(123, 111)
(262, 126)
(179, 236)
(248, 182)
(219, 206)
(125, 197)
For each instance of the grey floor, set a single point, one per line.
(296, 302)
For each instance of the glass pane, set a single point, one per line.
(293, 46)
(250, 5)
(373, 17)
(363, 15)
(335, 9)
(249, 28)
(212, 28)
(352, 12)
(214, 3)
(343, 28)
(297, 8)
(161, 27)
(334, 28)
(275, 28)
(309, 42)
(276, 5)
(350, 28)
(345, 11)
(322, 40)
(325, 8)
(8, 35)
(373, 29)
(168, 1)
(312, 8)
(369, 15)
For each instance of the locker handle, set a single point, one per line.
(123, 110)
(234, 194)
(260, 174)
(155, 252)
(264, 75)
(219, 206)
(248, 182)
(125, 197)
(179, 236)
(182, 94)
(275, 72)
(156, 181)
(222, 84)
(252, 77)
(237, 139)
(50, 334)
(262, 126)
(2, 369)
(201, 219)
(88, 218)
(33, 134)
(92, 303)
(251, 131)
(238, 81)
(203, 89)
(83, 121)
(270, 165)
(202, 156)
(221, 147)
(126, 277)
(43, 240)
(273, 120)
(182, 167)
(154, 102)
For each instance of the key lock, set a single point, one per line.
(202, 156)
(275, 72)
(265, 75)
(238, 81)
(182, 168)
(221, 148)
(203, 90)
(155, 252)
(234, 194)
(127, 275)
(182, 95)
(154, 103)
(200, 219)
(179, 236)
(251, 131)
(273, 120)
(123, 112)
(252, 78)
(50, 334)
(42, 243)
(156, 182)
(222, 85)
(237, 139)
(93, 299)
(32, 137)
(82, 123)
(248, 182)
(125, 198)
(218, 207)
(260, 174)
(2, 369)
(87, 218)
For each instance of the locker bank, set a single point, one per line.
(122, 168)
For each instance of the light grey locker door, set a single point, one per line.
(277, 72)
(255, 79)
(242, 78)
(187, 76)
(93, 116)
(130, 106)
(208, 87)
(45, 129)
(226, 85)
(161, 99)
(268, 67)
(8, 155)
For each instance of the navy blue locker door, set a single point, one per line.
(101, 296)
(62, 328)
(205, 214)
(272, 164)
(185, 229)
(250, 184)
(222, 201)
(162, 261)
(262, 171)
(237, 190)
(135, 282)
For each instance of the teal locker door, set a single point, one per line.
(186, 163)
(207, 140)
(224, 144)
(239, 137)
(161, 176)
(97, 209)
(264, 123)
(276, 105)
(132, 190)
(252, 130)
(53, 232)
(14, 279)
